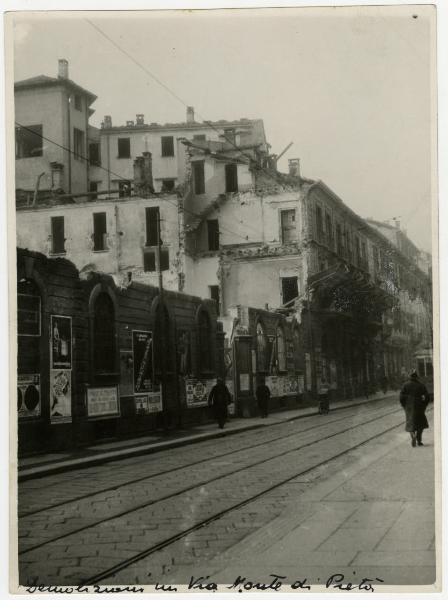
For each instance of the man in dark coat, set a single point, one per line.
(414, 399)
(263, 394)
(219, 399)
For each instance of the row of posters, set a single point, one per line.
(60, 369)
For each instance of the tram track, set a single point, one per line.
(135, 480)
(208, 481)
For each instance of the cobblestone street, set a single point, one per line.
(320, 493)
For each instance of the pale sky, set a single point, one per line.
(350, 87)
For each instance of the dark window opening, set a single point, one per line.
(78, 144)
(78, 102)
(214, 295)
(168, 185)
(164, 259)
(230, 136)
(124, 189)
(231, 177)
(152, 219)
(93, 187)
(290, 289)
(213, 234)
(99, 231)
(29, 141)
(94, 154)
(167, 145)
(288, 225)
(104, 335)
(149, 261)
(199, 177)
(124, 148)
(205, 347)
(28, 313)
(57, 235)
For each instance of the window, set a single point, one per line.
(281, 350)
(231, 177)
(152, 220)
(205, 348)
(149, 261)
(29, 141)
(57, 235)
(329, 230)
(78, 144)
(198, 177)
(288, 224)
(230, 136)
(104, 335)
(164, 259)
(213, 234)
(199, 137)
(94, 154)
(93, 187)
(78, 102)
(319, 224)
(124, 148)
(99, 231)
(290, 289)
(168, 185)
(339, 240)
(214, 295)
(167, 145)
(262, 348)
(124, 189)
(28, 313)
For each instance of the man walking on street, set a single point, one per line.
(218, 400)
(263, 394)
(414, 398)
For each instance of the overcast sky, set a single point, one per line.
(350, 87)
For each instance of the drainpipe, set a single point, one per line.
(69, 146)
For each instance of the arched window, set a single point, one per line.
(261, 348)
(205, 346)
(281, 350)
(104, 335)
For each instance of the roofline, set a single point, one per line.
(53, 82)
(185, 125)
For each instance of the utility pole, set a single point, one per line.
(163, 330)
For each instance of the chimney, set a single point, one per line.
(129, 123)
(140, 119)
(63, 68)
(107, 122)
(143, 183)
(294, 167)
(190, 114)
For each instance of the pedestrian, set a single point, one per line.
(324, 400)
(219, 399)
(414, 398)
(263, 394)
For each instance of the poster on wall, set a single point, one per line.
(232, 406)
(149, 403)
(143, 361)
(28, 396)
(102, 401)
(60, 395)
(197, 391)
(126, 373)
(244, 382)
(60, 342)
(290, 385)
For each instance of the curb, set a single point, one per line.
(35, 472)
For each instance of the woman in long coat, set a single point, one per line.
(219, 399)
(414, 398)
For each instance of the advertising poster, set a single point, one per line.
(61, 342)
(149, 403)
(244, 382)
(197, 392)
(143, 361)
(28, 396)
(272, 381)
(102, 401)
(290, 386)
(126, 373)
(60, 395)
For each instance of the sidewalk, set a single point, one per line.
(374, 519)
(46, 464)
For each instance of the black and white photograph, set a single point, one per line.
(224, 305)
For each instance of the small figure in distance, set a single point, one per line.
(414, 398)
(324, 400)
(263, 394)
(219, 399)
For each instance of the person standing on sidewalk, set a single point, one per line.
(414, 398)
(219, 399)
(324, 400)
(263, 394)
